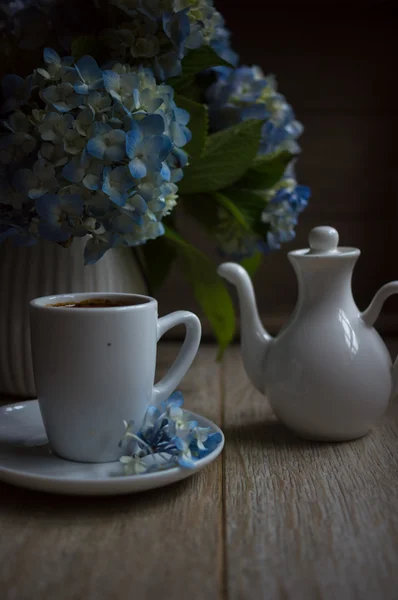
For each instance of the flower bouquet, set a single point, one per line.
(126, 113)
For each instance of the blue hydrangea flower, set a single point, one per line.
(221, 43)
(56, 68)
(134, 465)
(207, 26)
(245, 93)
(120, 86)
(180, 133)
(88, 170)
(137, 91)
(60, 216)
(89, 76)
(211, 443)
(62, 97)
(159, 33)
(282, 206)
(108, 143)
(155, 35)
(146, 147)
(98, 104)
(286, 202)
(282, 130)
(97, 246)
(167, 438)
(200, 436)
(117, 184)
(184, 454)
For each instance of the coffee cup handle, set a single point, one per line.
(189, 350)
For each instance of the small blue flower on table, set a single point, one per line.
(169, 437)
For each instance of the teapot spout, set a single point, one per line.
(255, 340)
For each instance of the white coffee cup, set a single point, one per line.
(95, 367)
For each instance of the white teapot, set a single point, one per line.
(328, 375)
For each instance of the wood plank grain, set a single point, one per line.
(306, 521)
(164, 543)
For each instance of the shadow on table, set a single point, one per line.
(267, 434)
(19, 502)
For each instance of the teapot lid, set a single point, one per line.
(323, 241)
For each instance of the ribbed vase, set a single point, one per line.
(44, 269)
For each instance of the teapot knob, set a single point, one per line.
(323, 240)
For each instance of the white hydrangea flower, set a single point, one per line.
(54, 127)
(62, 97)
(74, 143)
(53, 153)
(37, 181)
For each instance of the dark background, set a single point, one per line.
(336, 64)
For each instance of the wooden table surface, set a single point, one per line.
(274, 517)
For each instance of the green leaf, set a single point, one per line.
(195, 62)
(208, 288)
(228, 154)
(159, 257)
(266, 171)
(198, 124)
(246, 208)
(248, 217)
(252, 263)
(234, 210)
(251, 205)
(86, 45)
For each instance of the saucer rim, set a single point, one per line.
(22, 478)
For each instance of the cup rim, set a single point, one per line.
(44, 302)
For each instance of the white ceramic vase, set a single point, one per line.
(44, 269)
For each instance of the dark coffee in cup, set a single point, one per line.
(101, 303)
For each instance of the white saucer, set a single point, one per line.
(26, 460)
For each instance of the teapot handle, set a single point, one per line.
(371, 314)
